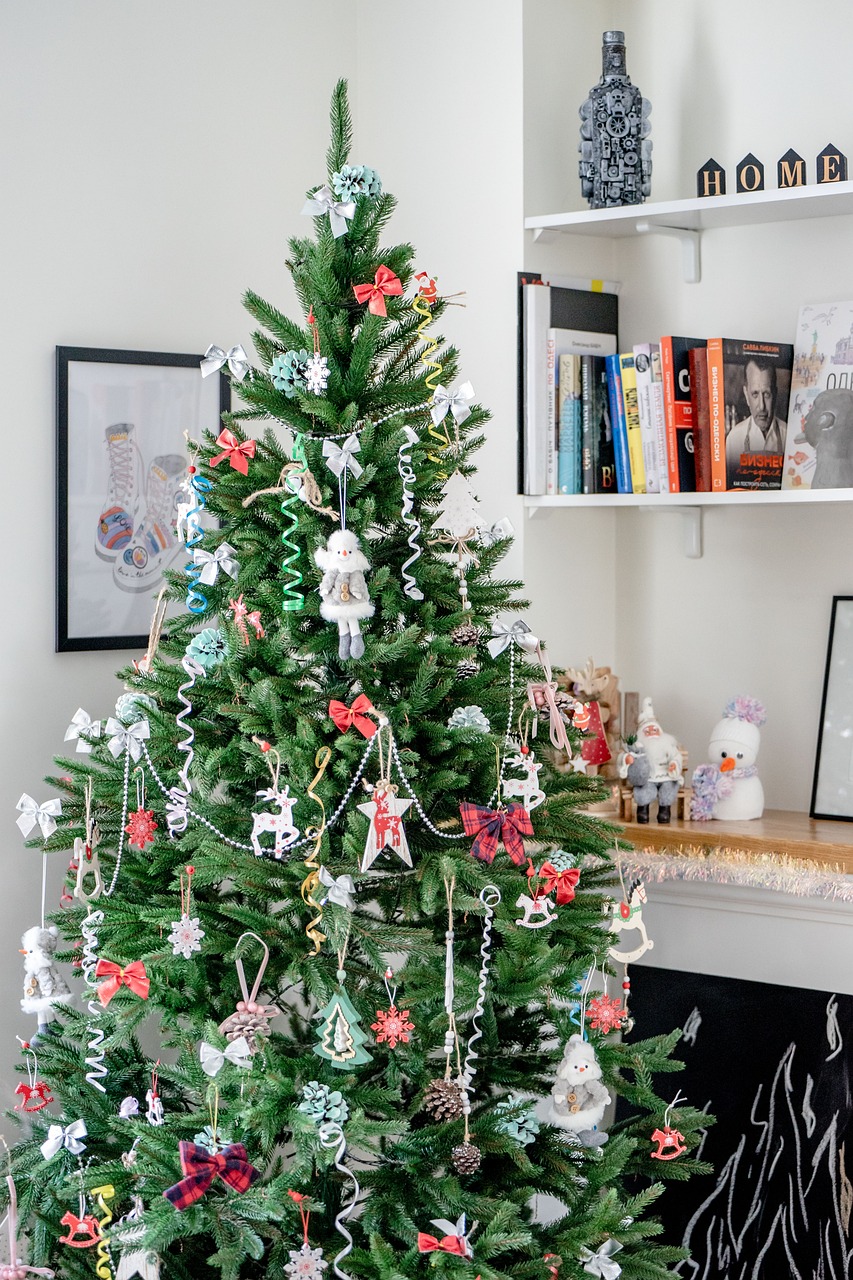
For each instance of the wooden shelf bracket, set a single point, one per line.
(691, 245)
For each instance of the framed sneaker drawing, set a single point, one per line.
(123, 419)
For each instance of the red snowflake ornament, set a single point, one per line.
(606, 1014)
(392, 1026)
(140, 828)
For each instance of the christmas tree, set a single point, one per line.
(330, 965)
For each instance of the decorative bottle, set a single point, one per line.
(616, 154)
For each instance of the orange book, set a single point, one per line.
(716, 410)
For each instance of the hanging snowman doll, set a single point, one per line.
(343, 590)
(729, 788)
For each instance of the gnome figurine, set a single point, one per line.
(344, 593)
(44, 985)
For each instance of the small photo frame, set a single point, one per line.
(123, 419)
(832, 792)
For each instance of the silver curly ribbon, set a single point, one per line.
(177, 815)
(82, 723)
(490, 896)
(212, 561)
(407, 476)
(323, 201)
(43, 814)
(95, 1061)
(214, 358)
(456, 402)
(127, 737)
(332, 1135)
(503, 636)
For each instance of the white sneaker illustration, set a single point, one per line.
(155, 542)
(117, 520)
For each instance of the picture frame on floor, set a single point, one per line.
(123, 421)
(832, 790)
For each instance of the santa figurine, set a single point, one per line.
(345, 598)
(653, 766)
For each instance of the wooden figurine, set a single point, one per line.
(711, 179)
(750, 174)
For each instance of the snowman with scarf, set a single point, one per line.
(729, 788)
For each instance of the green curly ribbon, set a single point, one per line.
(293, 598)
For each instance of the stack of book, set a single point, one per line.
(678, 414)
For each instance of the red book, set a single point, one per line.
(678, 412)
(698, 362)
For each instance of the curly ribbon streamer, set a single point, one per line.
(407, 475)
(97, 1069)
(490, 896)
(423, 308)
(16, 1268)
(312, 880)
(104, 1268)
(332, 1135)
(196, 600)
(176, 808)
(293, 598)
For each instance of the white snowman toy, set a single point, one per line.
(729, 789)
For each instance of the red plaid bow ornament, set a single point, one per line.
(493, 825)
(345, 716)
(238, 453)
(447, 1244)
(200, 1168)
(385, 285)
(132, 976)
(564, 881)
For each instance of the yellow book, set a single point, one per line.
(632, 422)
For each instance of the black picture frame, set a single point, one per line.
(832, 788)
(120, 456)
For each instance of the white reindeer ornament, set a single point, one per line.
(527, 788)
(281, 823)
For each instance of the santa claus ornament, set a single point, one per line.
(343, 590)
(653, 766)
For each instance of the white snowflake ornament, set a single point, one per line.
(306, 1263)
(186, 936)
(317, 374)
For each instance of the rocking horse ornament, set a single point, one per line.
(626, 916)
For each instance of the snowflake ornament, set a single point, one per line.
(186, 936)
(317, 374)
(306, 1263)
(392, 1026)
(140, 828)
(606, 1014)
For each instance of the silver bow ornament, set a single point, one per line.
(43, 814)
(236, 359)
(601, 1262)
(499, 530)
(323, 201)
(82, 723)
(457, 403)
(127, 737)
(518, 632)
(129, 1107)
(338, 890)
(69, 1138)
(238, 1053)
(212, 561)
(340, 457)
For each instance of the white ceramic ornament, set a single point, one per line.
(626, 916)
(281, 823)
(578, 1098)
(343, 590)
(728, 788)
(527, 788)
(385, 811)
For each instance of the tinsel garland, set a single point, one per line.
(727, 865)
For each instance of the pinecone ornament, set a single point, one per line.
(443, 1100)
(322, 1103)
(466, 1158)
(562, 860)
(250, 1020)
(466, 668)
(465, 634)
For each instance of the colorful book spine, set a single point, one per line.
(632, 421)
(717, 411)
(659, 418)
(698, 359)
(569, 408)
(552, 374)
(587, 455)
(618, 425)
(643, 374)
(678, 411)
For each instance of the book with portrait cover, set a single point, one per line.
(749, 384)
(819, 452)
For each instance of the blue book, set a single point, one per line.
(569, 419)
(618, 425)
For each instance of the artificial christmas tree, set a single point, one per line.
(266, 1091)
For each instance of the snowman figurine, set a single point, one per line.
(729, 788)
(343, 590)
(652, 766)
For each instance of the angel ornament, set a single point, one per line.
(343, 590)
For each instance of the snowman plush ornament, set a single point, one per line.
(729, 788)
(343, 590)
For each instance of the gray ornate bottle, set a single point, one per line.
(616, 154)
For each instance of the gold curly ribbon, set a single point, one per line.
(423, 308)
(312, 880)
(104, 1266)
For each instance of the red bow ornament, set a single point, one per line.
(385, 285)
(132, 976)
(565, 882)
(200, 1168)
(493, 825)
(238, 453)
(447, 1244)
(344, 716)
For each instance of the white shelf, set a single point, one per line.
(662, 501)
(827, 200)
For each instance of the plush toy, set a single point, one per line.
(653, 766)
(44, 986)
(344, 590)
(578, 1098)
(729, 788)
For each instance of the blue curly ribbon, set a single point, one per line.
(196, 599)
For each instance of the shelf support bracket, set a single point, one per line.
(691, 528)
(691, 241)
(544, 235)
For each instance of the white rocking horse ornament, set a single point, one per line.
(626, 916)
(281, 823)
